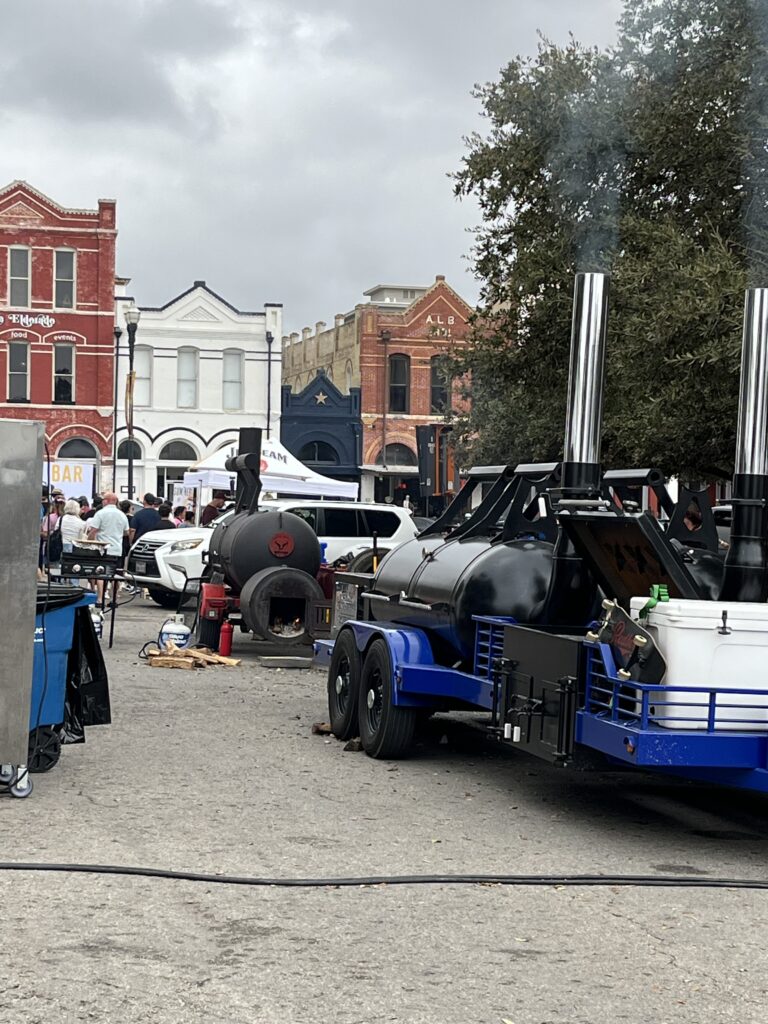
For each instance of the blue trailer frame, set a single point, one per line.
(624, 720)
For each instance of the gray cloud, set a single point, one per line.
(288, 151)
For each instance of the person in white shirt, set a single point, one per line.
(71, 525)
(109, 526)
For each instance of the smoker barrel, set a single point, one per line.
(440, 585)
(745, 577)
(246, 543)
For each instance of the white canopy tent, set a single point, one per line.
(281, 473)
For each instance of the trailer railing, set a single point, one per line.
(489, 643)
(650, 705)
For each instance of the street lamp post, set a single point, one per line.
(270, 339)
(118, 333)
(132, 317)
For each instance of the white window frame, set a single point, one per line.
(56, 277)
(143, 348)
(57, 345)
(28, 251)
(28, 347)
(241, 365)
(196, 352)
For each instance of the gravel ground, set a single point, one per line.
(218, 771)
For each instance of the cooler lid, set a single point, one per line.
(705, 614)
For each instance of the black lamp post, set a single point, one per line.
(132, 317)
(118, 333)
(270, 339)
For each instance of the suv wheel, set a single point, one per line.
(168, 598)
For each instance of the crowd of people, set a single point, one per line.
(65, 523)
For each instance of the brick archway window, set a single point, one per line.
(396, 455)
(77, 448)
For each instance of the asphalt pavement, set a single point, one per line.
(218, 771)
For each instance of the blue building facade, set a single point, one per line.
(322, 427)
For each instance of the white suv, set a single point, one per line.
(162, 560)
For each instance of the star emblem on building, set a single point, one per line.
(321, 398)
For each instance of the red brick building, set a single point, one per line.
(390, 347)
(57, 273)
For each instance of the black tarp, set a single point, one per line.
(86, 701)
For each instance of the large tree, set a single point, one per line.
(647, 160)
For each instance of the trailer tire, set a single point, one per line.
(344, 686)
(386, 731)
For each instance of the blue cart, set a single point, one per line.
(57, 626)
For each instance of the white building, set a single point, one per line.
(203, 370)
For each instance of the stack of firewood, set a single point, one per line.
(172, 656)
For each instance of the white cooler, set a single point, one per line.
(697, 654)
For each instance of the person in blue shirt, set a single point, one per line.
(146, 519)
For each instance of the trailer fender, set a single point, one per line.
(407, 646)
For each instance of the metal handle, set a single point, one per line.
(584, 503)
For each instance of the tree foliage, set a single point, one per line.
(648, 160)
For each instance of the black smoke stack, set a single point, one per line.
(248, 478)
(572, 592)
(584, 418)
(745, 577)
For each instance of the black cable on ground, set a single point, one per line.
(645, 881)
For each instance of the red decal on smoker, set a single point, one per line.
(282, 545)
(263, 465)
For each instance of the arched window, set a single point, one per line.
(186, 378)
(180, 455)
(438, 369)
(396, 455)
(178, 451)
(129, 448)
(142, 367)
(232, 380)
(77, 448)
(399, 383)
(320, 453)
(348, 375)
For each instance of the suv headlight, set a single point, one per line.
(186, 545)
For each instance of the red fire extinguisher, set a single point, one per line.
(225, 639)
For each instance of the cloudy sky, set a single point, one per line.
(291, 151)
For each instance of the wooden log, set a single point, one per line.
(168, 661)
(205, 657)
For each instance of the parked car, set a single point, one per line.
(163, 560)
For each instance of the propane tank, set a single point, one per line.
(225, 639)
(176, 630)
(97, 618)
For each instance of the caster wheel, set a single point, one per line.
(7, 774)
(21, 790)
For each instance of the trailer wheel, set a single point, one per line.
(344, 686)
(386, 731)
